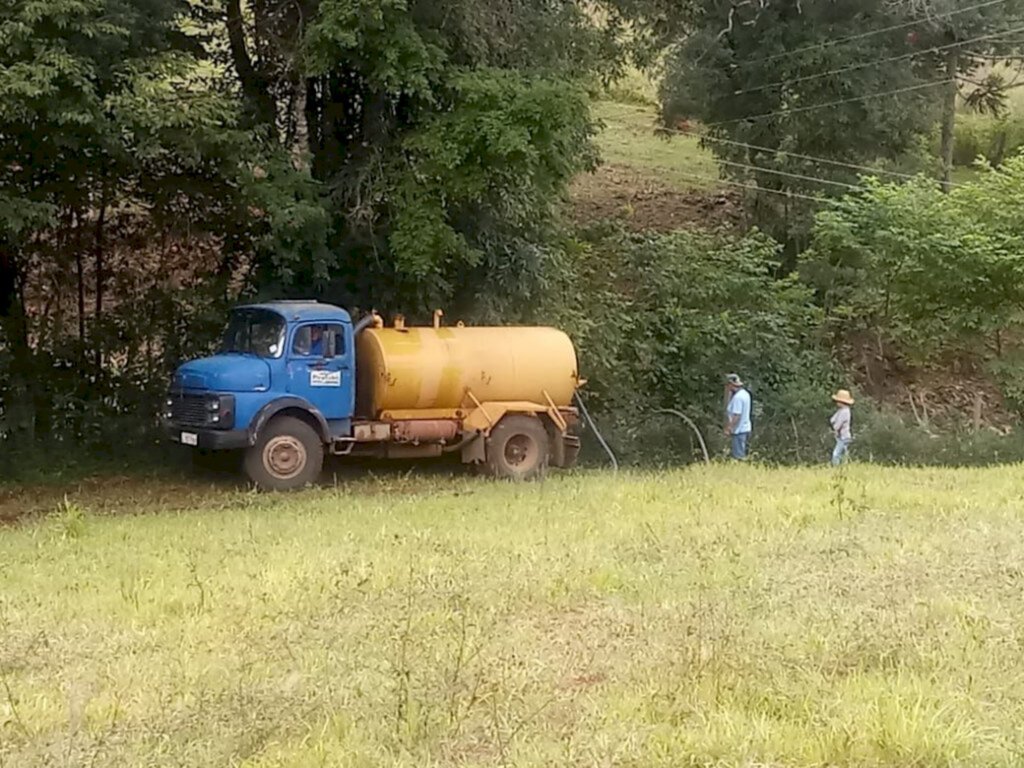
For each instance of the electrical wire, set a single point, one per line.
(800, 176)
(877, 62)
(875, 32)
(753, 187)
(778, 151)
(810, 158)
(827, 105)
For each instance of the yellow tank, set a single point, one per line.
(434, 368)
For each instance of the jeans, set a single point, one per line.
(841, 450)
(739, 445)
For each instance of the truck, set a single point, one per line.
(295, 381)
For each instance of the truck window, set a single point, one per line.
(254, 332)
(319, 340)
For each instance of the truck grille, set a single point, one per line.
(188, 410)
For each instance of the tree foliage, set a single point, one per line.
(119, 149)
(661, 319)
(934, 274)
(756, 74)
(161, 158)
(442, 132)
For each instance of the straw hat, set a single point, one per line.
(843, 396)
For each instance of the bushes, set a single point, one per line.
(659, 319)
(885, 438)
(993, 140)
(933, 274)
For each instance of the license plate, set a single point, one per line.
(189, 438)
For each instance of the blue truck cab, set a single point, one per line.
(289, 364)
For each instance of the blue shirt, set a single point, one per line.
(740, 405)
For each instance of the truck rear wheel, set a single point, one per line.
(518, 448)
(288, 455)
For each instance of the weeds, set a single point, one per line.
(71, 520)
(709, 617)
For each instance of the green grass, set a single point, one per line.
(731, 616)
(629, 139)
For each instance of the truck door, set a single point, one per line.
(320, 368)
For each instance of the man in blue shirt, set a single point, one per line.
(738, 427)
(309, 341)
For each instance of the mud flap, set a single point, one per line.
(565, 449)
(475, 450)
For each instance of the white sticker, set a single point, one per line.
(189, 438)
(325, 378)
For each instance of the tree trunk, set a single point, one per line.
(18, 402)
(300, 149)
(80, 273)
(101, 221)
(949, 119)
(254, 85)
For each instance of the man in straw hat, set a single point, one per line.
(841, 422)
(739, 426)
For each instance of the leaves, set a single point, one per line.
(937, 273)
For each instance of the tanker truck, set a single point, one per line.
(297, 380)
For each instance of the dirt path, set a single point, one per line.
(642, 202)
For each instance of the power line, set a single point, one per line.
(754, 187)
(788, 174)
(877, 62)
(798, 156)
(779, 151)
(827, 105)
(875, 32)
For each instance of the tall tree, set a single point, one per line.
(968, 38)
(111, 129)
(780, 82)
(443, 132)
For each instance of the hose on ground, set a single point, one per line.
(688, 420)
(597, 433)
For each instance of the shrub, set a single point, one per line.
(659, 319)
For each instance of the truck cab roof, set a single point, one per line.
(303, 310)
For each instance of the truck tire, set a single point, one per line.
(518, 448)
(287, 455)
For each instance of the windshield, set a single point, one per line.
(254, 332)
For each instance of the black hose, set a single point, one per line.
(688, 420)
(597, 433)
(364, 322)
(466, 440)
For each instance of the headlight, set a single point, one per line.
(221, 411)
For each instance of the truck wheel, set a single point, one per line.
(518, 448)
(288, 455)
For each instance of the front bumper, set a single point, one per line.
(210, 439)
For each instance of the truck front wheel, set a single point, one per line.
(518, 448)
(288, 455)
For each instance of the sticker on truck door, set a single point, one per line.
(325, 378)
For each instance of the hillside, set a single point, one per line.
(651, 181)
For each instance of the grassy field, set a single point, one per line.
(628, 139)
(724, 616)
